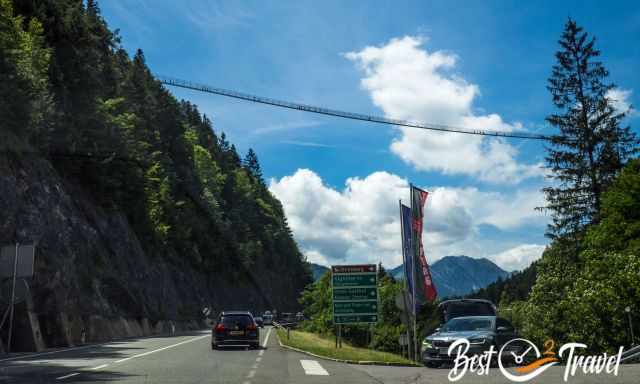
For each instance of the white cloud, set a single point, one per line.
(210, 17)
(360, 223)
(517, 258)
(408, 82)
(291, 125)
(620, 100)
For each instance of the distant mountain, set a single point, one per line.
(460, 275)
(318, 270)
(515, 287)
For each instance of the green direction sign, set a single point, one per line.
(355, 319)
(355, 293)
(349, 294)
(351, 307)
(346, 280)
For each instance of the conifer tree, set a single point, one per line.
(591, 147)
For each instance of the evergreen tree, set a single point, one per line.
(253, 166)
(591, 147)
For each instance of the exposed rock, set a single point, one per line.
(93, 276)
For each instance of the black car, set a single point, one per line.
(237, 328)
(259, 321)
(481, 331)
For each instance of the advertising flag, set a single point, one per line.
(425, 289)
(407, 253)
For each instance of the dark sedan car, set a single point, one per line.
(481, 331)
(235, 329)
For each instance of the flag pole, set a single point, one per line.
(405, 284)
(415, 287)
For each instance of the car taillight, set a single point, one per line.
(252, 327)
(220, 328)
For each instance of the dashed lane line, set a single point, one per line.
(99, 367)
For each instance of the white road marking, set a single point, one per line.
(255, 366)
(266, 338)
(51, 352)
(258, 359)
(312, 367)
(160, 349)
(99, 367)
(261, 352)
(68, 376)
(28, 356)
(251, 374)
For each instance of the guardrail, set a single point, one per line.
(630, 354)
(285, 326)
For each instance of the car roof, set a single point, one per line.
(466, 301)
(475, 317)
(230, 313)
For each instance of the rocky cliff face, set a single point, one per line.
(92, 274)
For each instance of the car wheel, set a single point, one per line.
(213, 346)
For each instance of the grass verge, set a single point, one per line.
(325, 346)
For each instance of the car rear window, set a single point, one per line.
(240, 320)
(460, 309)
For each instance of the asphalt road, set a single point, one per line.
(189, 359)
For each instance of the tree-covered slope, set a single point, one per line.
(102, 152)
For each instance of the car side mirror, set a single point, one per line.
(437, 329)
(503, 329)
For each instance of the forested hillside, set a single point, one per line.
(141, 209)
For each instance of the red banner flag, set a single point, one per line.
(423, 274)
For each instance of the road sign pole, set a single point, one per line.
(13, 294)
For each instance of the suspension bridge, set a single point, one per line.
(171, 81)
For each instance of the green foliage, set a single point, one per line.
(619, 228)
(24, 90)
(584, 301)
(317, 302)
(112, 129)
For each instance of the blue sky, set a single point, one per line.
(453, 62)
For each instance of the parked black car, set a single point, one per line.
(235, 328)
(481, 331)
(472, 319)
(259, 321)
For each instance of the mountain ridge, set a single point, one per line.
(452, 275)
(460, 275)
